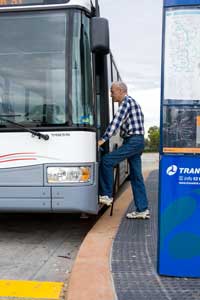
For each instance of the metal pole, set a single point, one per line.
(97, 8)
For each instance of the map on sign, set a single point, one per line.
(182, 55)
(180, 127)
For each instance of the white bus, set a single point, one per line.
(55, 74)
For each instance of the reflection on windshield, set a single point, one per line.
(47, 113)
(40, 85)
(82, 107)
(32, 74)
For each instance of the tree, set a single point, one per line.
(153, 138)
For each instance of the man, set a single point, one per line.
(129, 119)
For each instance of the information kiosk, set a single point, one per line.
(179, 176)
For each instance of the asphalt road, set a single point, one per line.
(40, 247)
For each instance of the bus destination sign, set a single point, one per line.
(30, 2)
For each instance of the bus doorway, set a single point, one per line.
(102, 98)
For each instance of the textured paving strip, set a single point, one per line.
(134, 259)
(30, 289)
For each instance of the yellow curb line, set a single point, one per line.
(30, 289)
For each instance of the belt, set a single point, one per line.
(132, 135)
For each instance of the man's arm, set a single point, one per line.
(117, 121)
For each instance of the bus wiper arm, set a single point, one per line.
(38, 134)
(10, 115)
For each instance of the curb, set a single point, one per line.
(91, 276)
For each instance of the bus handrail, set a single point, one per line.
(114, 188)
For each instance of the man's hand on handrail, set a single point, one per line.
(100, 143)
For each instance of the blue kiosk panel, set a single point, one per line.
(168, 3)
(179, 216)
(179, 177)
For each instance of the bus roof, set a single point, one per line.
(26, 4)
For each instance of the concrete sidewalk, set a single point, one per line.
(91, 277)
(117, 259)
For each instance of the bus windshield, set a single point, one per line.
(45, 74)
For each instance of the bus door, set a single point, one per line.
(102, 106)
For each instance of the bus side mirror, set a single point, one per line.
(100, 35)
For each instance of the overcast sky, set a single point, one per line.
(135, 33)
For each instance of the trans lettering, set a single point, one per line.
(189, 170)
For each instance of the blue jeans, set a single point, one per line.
(131, 149)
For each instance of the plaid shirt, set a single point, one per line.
(129, 118)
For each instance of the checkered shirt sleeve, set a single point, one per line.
(129, 119)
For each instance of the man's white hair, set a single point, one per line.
(121, 85)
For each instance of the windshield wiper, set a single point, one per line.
(35, 133)
(10, 115)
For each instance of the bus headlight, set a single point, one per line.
(68, 174)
